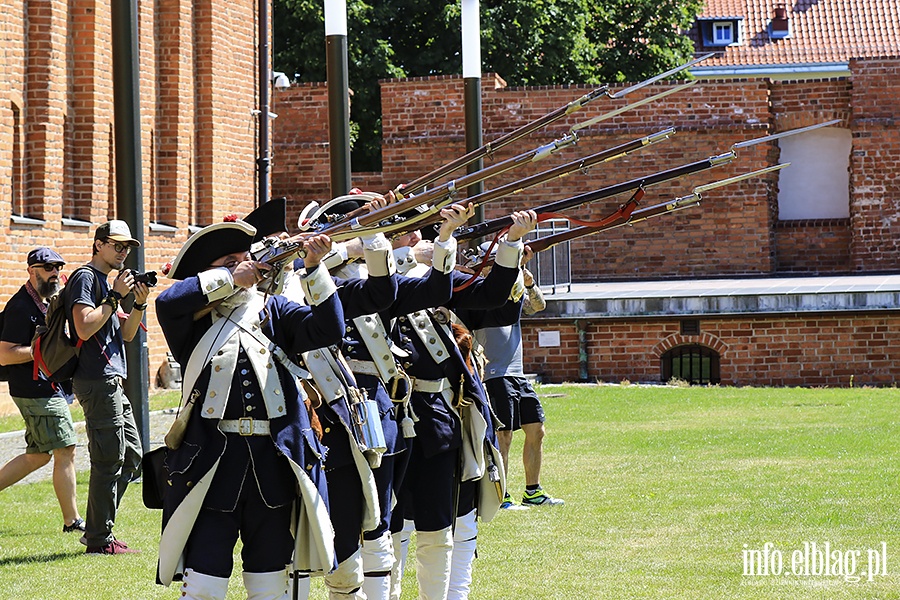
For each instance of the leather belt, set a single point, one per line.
(363, 367)
(245, 426)
(430, 386)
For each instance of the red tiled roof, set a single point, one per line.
(822, 31)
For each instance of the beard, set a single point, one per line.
(239, 298)
(47, 288)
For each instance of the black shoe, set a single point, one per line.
(77, 525)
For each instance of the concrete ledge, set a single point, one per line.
(726, 297)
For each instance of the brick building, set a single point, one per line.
(812, 251)
(199, 145)
(199, 142)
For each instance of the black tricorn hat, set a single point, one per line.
(269, 218)
(212, 242)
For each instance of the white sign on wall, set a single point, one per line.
(548, 339)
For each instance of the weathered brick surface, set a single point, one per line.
(788, 350)
(199, 144)
(875, 164)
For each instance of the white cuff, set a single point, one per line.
(380, 263)
(379, 256)
(509, 254)
(336, 257)
(444, 257)
(318, 286)
(216, 283)
(375, 241)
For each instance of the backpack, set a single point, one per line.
(55, 345)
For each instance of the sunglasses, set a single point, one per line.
(49, 268)
(118, 246)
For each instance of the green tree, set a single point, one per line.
(527, 42)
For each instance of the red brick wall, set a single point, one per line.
(874, 165)
(199, 145)
(813, 246)
(789, 350)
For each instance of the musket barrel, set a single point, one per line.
(663, 208)
(481, 229)
(431, 216)
(500, 142)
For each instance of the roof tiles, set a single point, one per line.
(822, 31)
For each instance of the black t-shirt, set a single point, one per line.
(21, 317)
(104, 354)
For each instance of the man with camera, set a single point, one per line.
(114, 445)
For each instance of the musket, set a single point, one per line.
(642, 214)
(403, 191)
(488, 149)
(492, 226)
(488, 227)
(431, 214)
(441, 195)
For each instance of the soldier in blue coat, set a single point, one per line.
(249, 463)
(452, 412)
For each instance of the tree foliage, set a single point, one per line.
(527, 42)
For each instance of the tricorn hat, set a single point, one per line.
(210, 243)
(269, 218)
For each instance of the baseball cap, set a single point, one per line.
(117, 231)
(43, 256)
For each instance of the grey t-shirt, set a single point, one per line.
(103, 355)
(503, 350)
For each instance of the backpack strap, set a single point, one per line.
(77, 341)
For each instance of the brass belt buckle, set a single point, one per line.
(245, 426)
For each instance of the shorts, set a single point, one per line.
(514, 401)
(48, 424)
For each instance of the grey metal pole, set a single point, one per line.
(129, 193)
(471, 53)
(264, 161)
(338, 95)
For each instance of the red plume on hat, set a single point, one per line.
(230, 218)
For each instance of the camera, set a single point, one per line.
(148, 278)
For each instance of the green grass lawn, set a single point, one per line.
(667, 489)
(157, 401)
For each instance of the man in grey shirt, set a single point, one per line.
(517, 406)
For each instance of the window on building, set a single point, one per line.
(817, 184)
(720, 31)
(18, 164)
(696, 364)
(723, 33)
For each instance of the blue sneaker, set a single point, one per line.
(508, 504)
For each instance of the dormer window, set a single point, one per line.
(723, 33)
(720, 31)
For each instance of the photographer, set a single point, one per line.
(114, 444)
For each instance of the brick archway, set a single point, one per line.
(677, 339)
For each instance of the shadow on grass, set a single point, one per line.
(38, 558)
